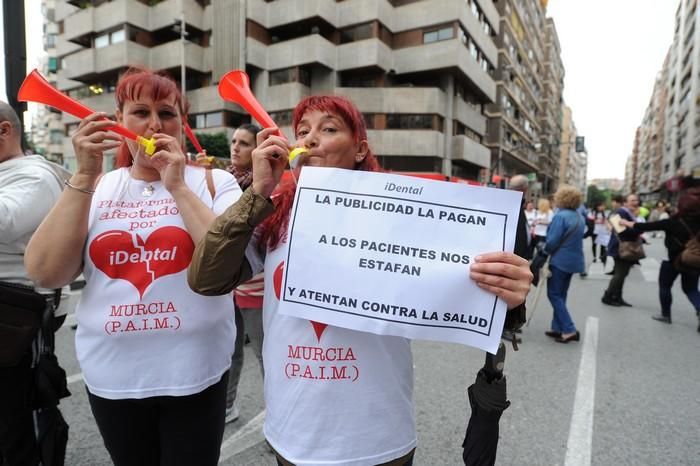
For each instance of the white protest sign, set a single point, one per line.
(390, 254)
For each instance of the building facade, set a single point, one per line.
(514, 119)
(681, 148)
(573, 165)
(47, 128)
(552, 144)
(422, 72)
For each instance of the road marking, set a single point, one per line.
(579, 445)
(244, 438)
(74, 378)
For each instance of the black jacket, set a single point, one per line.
(676, 233)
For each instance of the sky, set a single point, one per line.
(611, 49)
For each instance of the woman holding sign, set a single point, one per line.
(333, 395)
(154, 355)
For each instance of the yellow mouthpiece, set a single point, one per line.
(293, 156)
(148, 144)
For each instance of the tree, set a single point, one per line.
(595, 196)
(216, 144)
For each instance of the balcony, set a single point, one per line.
(361, 11)
(396, 99)
(106, 16)
(86, 63)
(464, 148)
(425, 143)
(302, 51)
(167, 56)
(168, 12)
(285, 96)
(283, 12)
(469, 116)
(364, 53)
(445, 54)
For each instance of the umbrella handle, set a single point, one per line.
(493, 366)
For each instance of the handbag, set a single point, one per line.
(21, 311)
(689, 258)
(631, 251)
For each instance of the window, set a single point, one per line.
(408, 121)
(53, 64)
(290, 75)
(117, 36)
(56, 137)
(101, 41)
(214, 119)
(438, 35)
(359, 32)
(200, 121)
(283, 118)
(113, 37)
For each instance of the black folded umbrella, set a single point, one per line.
(488, 400)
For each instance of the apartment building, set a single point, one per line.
(515, 119)
(681, 149)
(551, 117)
(573, 165)
(631, 166)
(651, 140)
(421, 71)
(47, 129)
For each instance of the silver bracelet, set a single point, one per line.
(86, 191)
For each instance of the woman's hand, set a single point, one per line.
(270, 158)
(169, 160)
(90, 140)
(627, 223)
(204, 160)
(504, 274)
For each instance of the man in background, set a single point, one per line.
(29, 186)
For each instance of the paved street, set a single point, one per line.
(626, 394)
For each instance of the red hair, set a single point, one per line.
(139, 82)
(274, 228)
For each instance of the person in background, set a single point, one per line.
(249, 295)
(616, 202)
(613, 295)
(530, 215)
(679, 229)
(564, 244)
(523, 240)
(542, 220)
(156, 383)
(314, 420)
(600, 233)
(29, 187)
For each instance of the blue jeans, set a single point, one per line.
(689, 284)
(557, 288)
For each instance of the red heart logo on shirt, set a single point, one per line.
(119, 254)
(319, 328)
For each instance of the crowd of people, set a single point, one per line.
(616, 233)
(173, 255)
(165, 243)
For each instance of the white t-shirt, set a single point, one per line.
(530, 216)
(334, 396)
(543, 219)
(141, 331)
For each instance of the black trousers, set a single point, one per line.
(163, 430)
(18, 445)
(622, 269)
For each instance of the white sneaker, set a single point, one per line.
(232, 413)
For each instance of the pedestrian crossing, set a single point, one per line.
(648, 267)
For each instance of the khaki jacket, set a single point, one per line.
(218, 262)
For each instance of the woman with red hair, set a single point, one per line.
(316, 413)
(154, 354)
